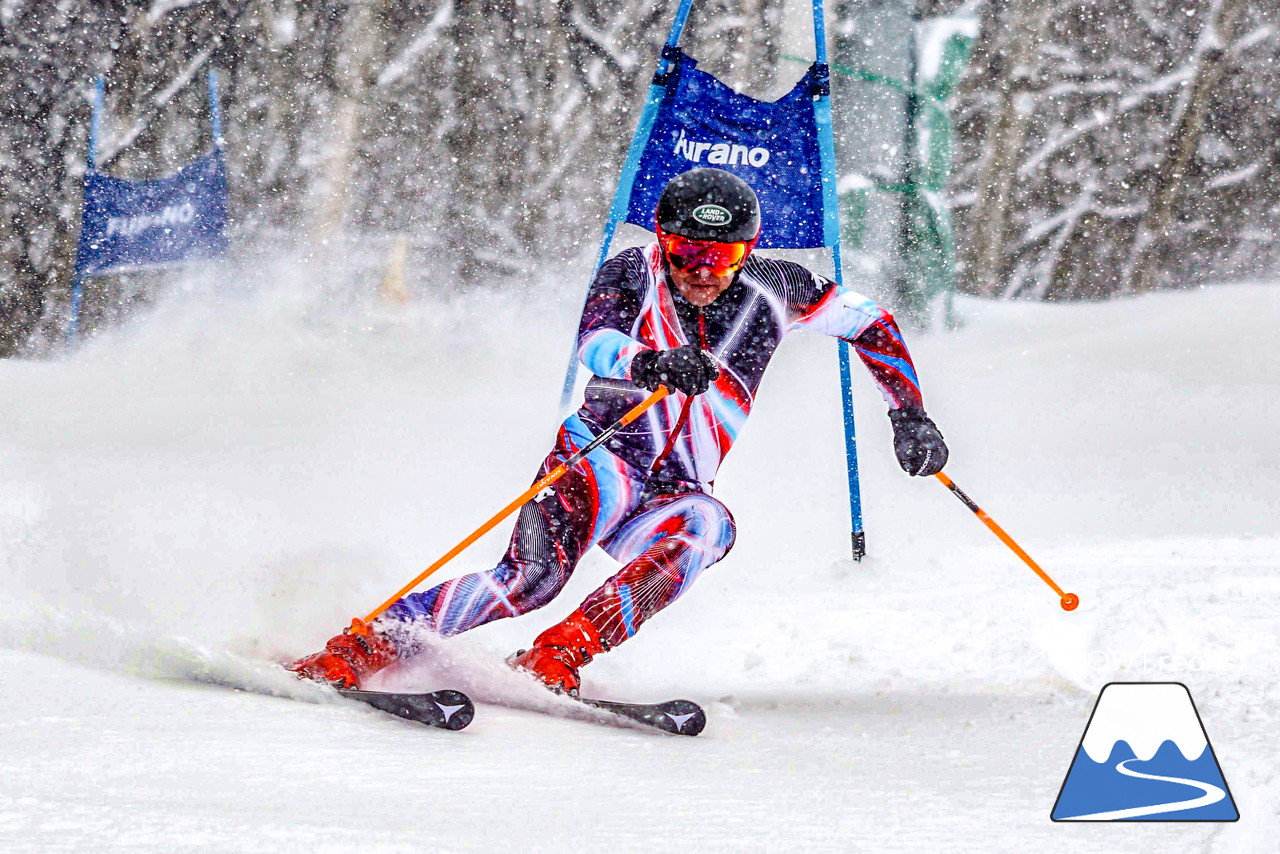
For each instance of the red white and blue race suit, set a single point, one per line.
(645, 496)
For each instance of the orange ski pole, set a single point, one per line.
(1070, 601)
(359, 626)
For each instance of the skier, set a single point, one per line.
(697, 312)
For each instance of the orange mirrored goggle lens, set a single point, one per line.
(720, 259)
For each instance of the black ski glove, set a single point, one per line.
(917, 442)
(684, 368)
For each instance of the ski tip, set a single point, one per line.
(455, 708)
(677, 717)
(451, 710)
(686, 716)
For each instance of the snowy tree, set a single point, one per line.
(1015, 58)
(491, 130)
(1143, 129)
(1104, 147)
(44, 70)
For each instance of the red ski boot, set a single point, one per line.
(348, 659)
(558, 652)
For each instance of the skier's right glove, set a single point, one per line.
(685, 368)
(917, 442)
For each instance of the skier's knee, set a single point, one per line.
(715, 527)
(534, 583)
(728, 532)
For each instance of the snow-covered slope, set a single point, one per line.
(234, 477)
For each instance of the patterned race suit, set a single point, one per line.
(645, 496)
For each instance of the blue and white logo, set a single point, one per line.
(1145, 756)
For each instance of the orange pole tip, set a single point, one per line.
(1070, 602)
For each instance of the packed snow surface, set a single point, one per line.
(230, 479)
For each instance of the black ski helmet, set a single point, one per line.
(709, 204)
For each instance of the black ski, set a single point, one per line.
(451, 710)
(678, 717)
(447, 709)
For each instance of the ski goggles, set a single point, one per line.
(721, 259)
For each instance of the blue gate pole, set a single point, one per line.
(622, 197)
(95, 120)
(831, 237)
(91, 163)
(215, 108)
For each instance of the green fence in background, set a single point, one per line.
(909, 182)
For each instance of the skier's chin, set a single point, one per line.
(701, 295)
(698, 291)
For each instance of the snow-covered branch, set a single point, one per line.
(599, 43)
(1102, 118)
(424, 41)
(112, 148)
(160, 8)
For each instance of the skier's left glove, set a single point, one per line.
(917, 442)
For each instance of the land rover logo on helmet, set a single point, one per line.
(712, 215)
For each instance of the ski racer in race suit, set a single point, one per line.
(696, 312)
